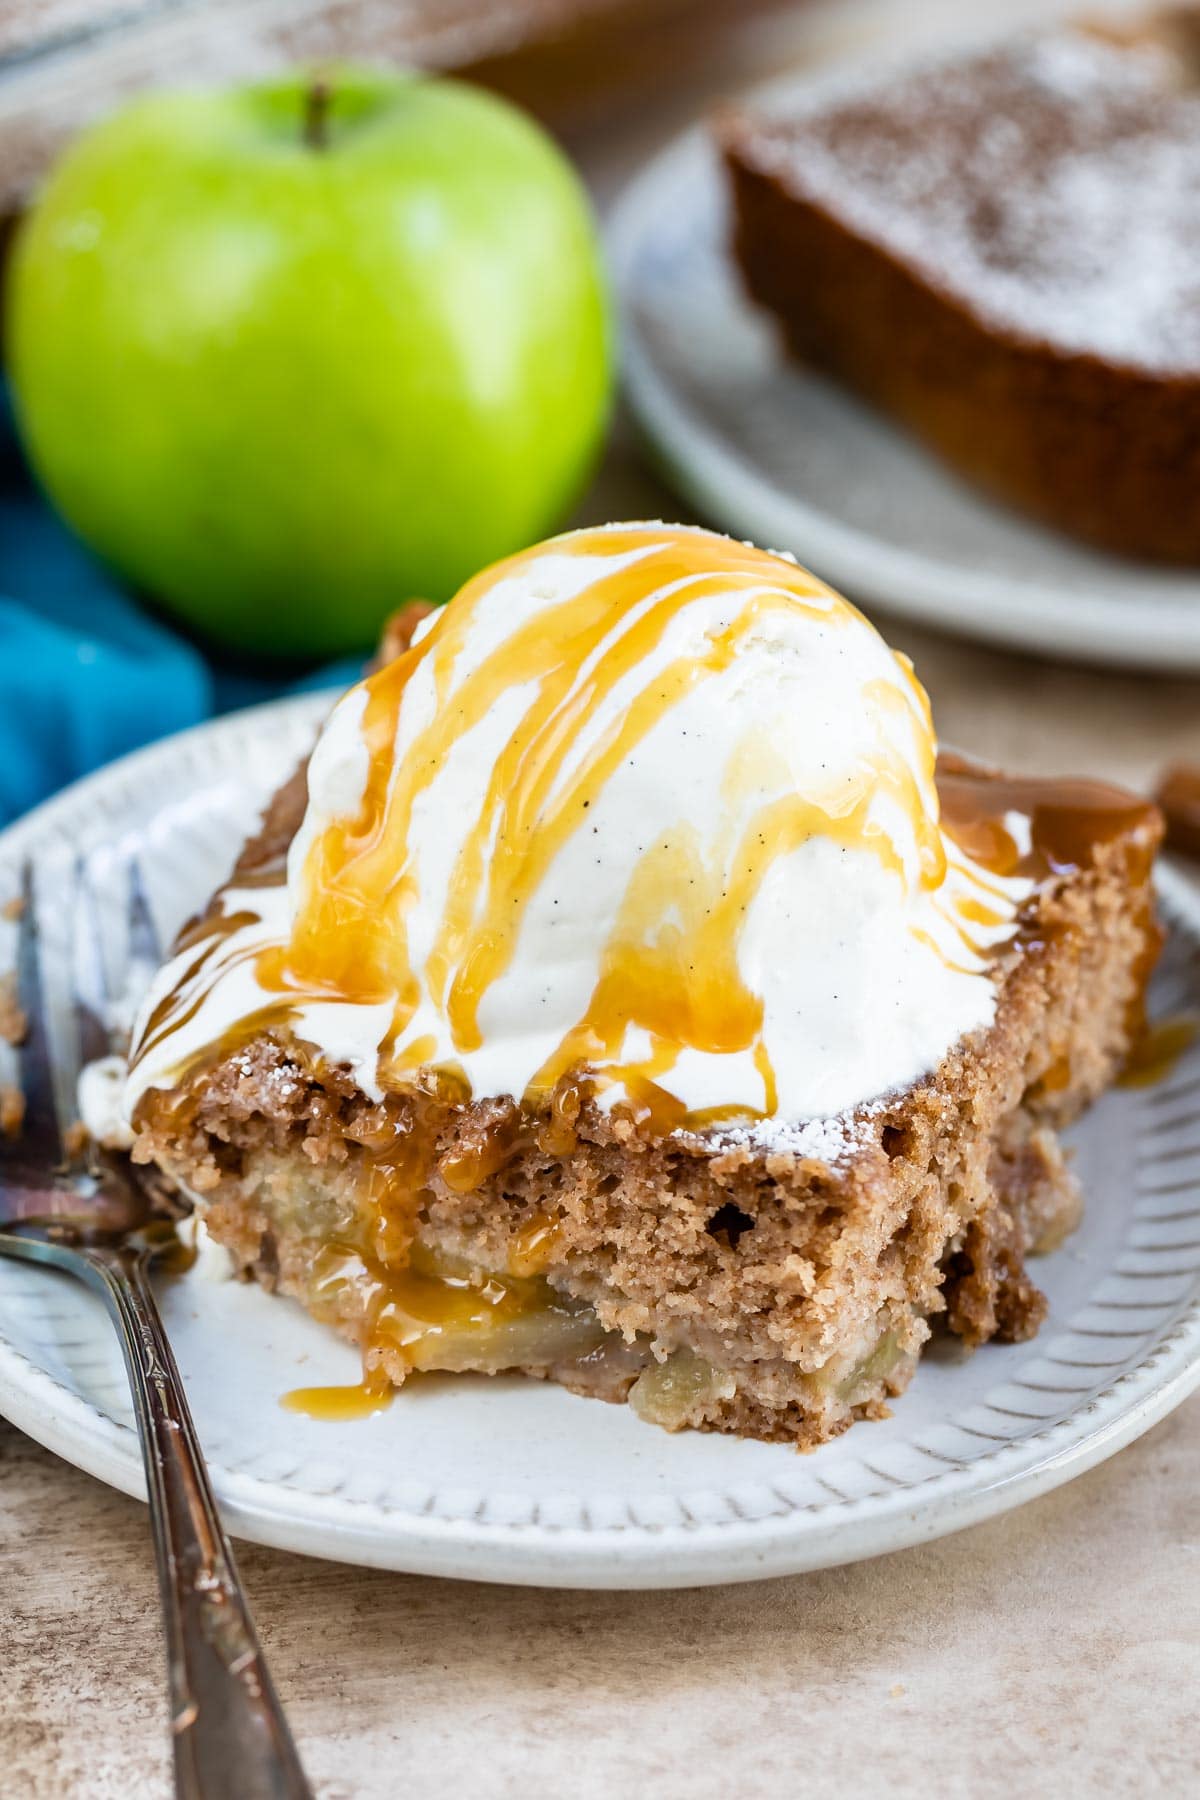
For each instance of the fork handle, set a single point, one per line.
(228, 1731)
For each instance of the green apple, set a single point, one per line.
(289, 354)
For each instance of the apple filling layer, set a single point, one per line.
(443, 1312)
(348, 1251)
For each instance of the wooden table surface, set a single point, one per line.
(1056, 1650)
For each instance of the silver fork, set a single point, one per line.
(87, 1213)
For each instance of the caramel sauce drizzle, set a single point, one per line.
(1157, 1051)
(1069, 821)
(1178, 795)
(670, 965)
(356, 1400)
(418, 1300)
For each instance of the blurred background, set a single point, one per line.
(1089, 664)
(91, 664)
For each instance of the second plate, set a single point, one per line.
(770, 451)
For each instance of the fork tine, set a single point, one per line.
(92, 989)
(145, 945)
(49, 1069)
(40, 1133)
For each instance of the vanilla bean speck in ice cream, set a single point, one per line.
(641, 804)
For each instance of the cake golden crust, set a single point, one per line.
(776, 1283)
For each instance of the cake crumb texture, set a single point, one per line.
(773, 1281)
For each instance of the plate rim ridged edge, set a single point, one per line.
(570, 1549)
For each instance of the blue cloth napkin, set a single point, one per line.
(86, 673)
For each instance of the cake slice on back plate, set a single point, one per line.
(622, 995)
(998, 247)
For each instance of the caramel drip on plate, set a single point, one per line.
(1158, 1050)
(426, 1311)
(357, 1400)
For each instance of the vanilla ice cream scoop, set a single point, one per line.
(640, 804)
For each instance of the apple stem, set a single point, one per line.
(316, 115)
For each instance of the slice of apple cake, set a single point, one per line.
(626, 995)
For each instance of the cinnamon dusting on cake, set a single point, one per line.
(1053, 181)
(996, 246)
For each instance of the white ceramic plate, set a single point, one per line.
(774, 453)
(518, 1481)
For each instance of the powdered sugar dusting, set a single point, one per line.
(832, 1141)
(1052, 183)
